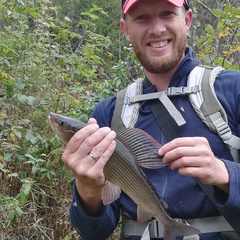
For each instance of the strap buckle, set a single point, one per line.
(156, 229)
(176, 91)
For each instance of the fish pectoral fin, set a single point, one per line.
(110, 192)
(142, 146)
(142, 215)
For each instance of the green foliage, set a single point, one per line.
(66, 60)
(45, 66)
(220, 43)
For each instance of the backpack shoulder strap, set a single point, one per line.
(203, 100)
(117, 123)
(126, 114)
(208, 107)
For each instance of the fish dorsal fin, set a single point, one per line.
(143, 147)
(110, 192)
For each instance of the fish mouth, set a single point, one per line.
(51, 119)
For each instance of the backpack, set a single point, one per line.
(200, 90)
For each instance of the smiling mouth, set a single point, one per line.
(158, 44)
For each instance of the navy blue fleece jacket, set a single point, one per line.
(184, 197)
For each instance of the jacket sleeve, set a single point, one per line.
(92, 228)
(230, 200)
(228, 89)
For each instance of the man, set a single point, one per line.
(157, 31)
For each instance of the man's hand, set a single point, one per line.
(192, 156)
(86, 155)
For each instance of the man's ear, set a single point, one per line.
(188, 19)
(124, 28)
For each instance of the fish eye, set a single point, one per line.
(61, 123)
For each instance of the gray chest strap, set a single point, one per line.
(154, 229)
(200, 90)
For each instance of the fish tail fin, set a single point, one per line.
(176, 229)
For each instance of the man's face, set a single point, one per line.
(157, 31)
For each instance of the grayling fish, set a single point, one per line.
(134, 148)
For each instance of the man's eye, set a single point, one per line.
(167, 13)
(141, 17)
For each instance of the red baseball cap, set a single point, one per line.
(127, 4)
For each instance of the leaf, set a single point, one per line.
(67, 19)
(26, 100)
(13, 175)
(43, 175)
(27, 189)
(227, 8)
(7, 157)
(218, 12)
(19, 84)
(22, 98)
(31, 137)
(11, 215)
(210, 29)
(30, 156)
(34, 169)
(17, 133)
(30, 100)
(23, 121)
(21, 9)
(19, 212)
(219, 61)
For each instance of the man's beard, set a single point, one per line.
(162, 65)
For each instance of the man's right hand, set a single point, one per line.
(86, 155)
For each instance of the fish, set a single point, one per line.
(135, 149)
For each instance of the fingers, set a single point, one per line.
(92, 121)
(89, 146)
(181, 142)
(79, 137)
(180, 148)
(98, 142)
(102, 160)
(95, 143)
(191, 156)
(184, 162)
(86, 155)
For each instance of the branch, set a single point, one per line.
(207, 8)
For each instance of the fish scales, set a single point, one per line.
(129, 181)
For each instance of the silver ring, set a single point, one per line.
(92, 156)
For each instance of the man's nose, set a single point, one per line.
(157, 26)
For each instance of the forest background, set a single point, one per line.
(64, 57)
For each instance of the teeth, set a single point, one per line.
(159, 44)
